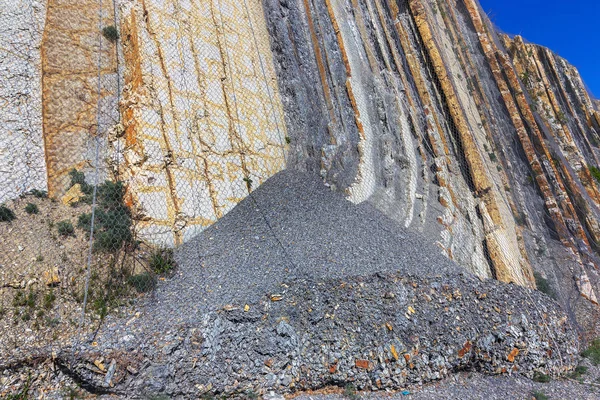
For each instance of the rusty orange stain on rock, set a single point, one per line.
(466, 348)
(333, 368)
(511, 356)
(363, 364)
(394, 352)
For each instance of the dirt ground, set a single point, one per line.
(43, 275)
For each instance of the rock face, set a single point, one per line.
(202, 117)
(455, 126)
(22, 165)
(479, 140)
(79, 88)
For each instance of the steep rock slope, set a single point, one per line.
(488, 136)
(481, 141)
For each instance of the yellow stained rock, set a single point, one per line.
(100, 366)
(51, 277)
(394, 352)
(73, 195)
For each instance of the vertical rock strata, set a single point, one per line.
(202, 118)
(482, 141)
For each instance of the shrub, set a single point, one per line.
(112, 226)
(543, 285)
(161, 261)
(22, 300)
(540, 377)
(110, 33)
(6, 214)
(577, 372)
(31, 208)
(65, 228)
(593, 352)
(537, 395)
(40, 194)
(595, 171)
(78, 178)
(143, 282)
(49, 300)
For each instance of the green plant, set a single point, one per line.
(537, 395)
(72, 393)
(40, 194)
(540, 377)
(6, 214)
(288, 140)
(112, 225)
(78, 178)
(39, 258)
(595, 171)
(493, 157)
(350, 392)
(593, 352)
(251, 394)
(543, 285)
(49, 300)
(561, 117)
(23, 394)
(22, 300)
(525, 78)
(65, 228)
(100, 306)
(110, 33)
(248, 182)
(143, 282)
(161, 261)
(529, 180)
(578, 372)
(31, 208)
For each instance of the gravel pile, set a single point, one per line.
(292, 227)
(379, 332)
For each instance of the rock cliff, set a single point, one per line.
(482, 141)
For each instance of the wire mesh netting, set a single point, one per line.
(140, 155)
(134, 126)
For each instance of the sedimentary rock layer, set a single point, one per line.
(482, 141)
(202, 117)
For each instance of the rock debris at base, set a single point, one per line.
(382, 331)
(276, 300)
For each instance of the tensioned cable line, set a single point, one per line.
(96, 167)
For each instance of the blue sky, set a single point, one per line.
(570, 28)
